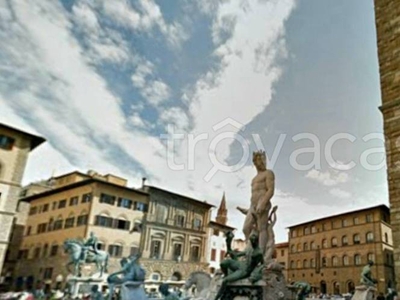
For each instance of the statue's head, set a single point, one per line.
(260, 160)
(164, 289)
(254, 239)
(370, 262)
(95, 288)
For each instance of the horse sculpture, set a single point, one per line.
(201, 280)
(75, 250)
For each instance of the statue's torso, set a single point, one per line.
(259, 187)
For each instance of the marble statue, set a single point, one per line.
(262, 190)
(131, 277)
(201, 280)
(235, 270)
(78, 256)
(366, 277)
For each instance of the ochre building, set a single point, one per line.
(330, 252)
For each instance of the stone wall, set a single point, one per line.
(387, 17)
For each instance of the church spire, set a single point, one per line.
(222, 214)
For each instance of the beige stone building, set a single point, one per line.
(175, 238)
(330, 252)
(76, 205)
(388, 35)
(282, 256)
(15, 146)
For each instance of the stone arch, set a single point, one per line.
(104, 213)
(176, 276)
(122, 217)
(322, 287)
(350, 286)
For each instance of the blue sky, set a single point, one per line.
(103, 80)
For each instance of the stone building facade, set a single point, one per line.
(15, 146)
(216, 235)
(76, 205)
(175, 237)
(282, 256)
(330, 252)
(388, 36)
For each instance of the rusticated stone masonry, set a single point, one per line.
(387, 18)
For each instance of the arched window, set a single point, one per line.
(369, 237)
(180, 220)
(345, 241)
(298, 247)
(345, 260)
(312, 262)
(335, 261)
(371, 257)
(305, 263)
(305, 247)
(324, 262)
(306, 230)
(324, 243)
(357, 259)
(292, 265)
(356, 238)
(298, 264)
(312, 245)
(292, 249)
(334, 242)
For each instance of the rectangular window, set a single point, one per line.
(213, 254)
(313, 229)
(58, 225)
(54, 205)
(197, 224)
(54, 250)
(344, 223)
(121, 224)
(82, 220)
(177, 251)
(115, 250)
(282, 252)
(36, 252)
(86, 198)
(155, 250)
(356, 221)
(48, 273)
(45, 207)
(222, 255)
(73, 201)
(141, 207)
(33, 211)
(369, 218)
(41, 228)
(28, 230)
(62, 203)
(180, 221)
(69, 222)
(134, 250)
(107, 199)
(216, 232)
(124, 202)
(103, 221)
(6, 142)
(195, 253)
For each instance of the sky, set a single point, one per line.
(182, 92)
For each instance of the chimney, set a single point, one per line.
(143, 181)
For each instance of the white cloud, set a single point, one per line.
(329, 178)
(175, 116)
(70, 102)
(152, 90)
(339, 193)
(144, 19)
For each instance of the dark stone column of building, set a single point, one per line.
(387, 20)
